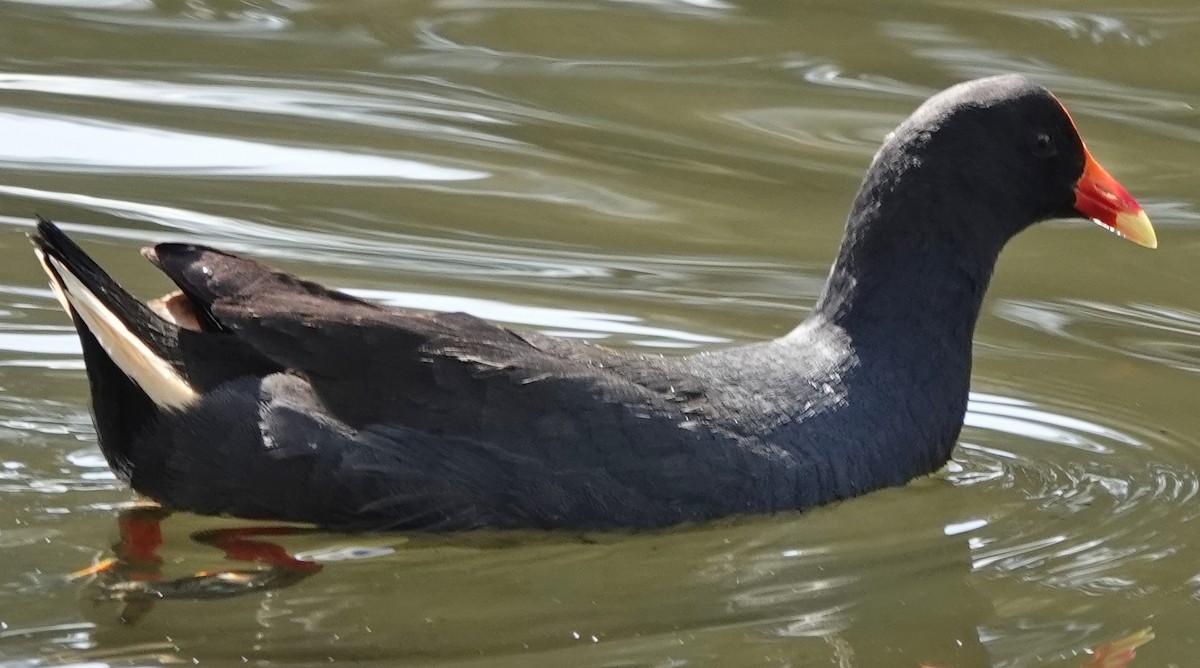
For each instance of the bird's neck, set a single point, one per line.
(901, 281)
(915, 296)
(908, 312)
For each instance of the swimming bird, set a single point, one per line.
(254, 393)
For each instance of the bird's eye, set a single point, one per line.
(1043, 145)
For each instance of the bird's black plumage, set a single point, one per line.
(279, 398)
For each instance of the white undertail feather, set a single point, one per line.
(176, 309)
(151, 373)
(54, 286)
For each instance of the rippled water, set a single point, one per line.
(650, 173)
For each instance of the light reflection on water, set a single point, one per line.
(74, 144)
(405, 110)
(1168, 336)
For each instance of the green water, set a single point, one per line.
(652, 174)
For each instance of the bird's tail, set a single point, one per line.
(130, 352)
(129, 333)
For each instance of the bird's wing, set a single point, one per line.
(447, 373)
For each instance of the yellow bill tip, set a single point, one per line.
(1135, 227)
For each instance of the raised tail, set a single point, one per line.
(126, 333)
(147, 369)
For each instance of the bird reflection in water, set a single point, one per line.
(134, 577)
(1115, 654)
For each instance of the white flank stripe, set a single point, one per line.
(151, 373)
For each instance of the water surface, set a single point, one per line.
(654, 174)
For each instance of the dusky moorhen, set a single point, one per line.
(257, 394)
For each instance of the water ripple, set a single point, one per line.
(1136, 28)
(969, 56)
(1164, 335)
(1102, 495)
(404, 109)
(840, 132)
(197, 16)
(267, 240)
